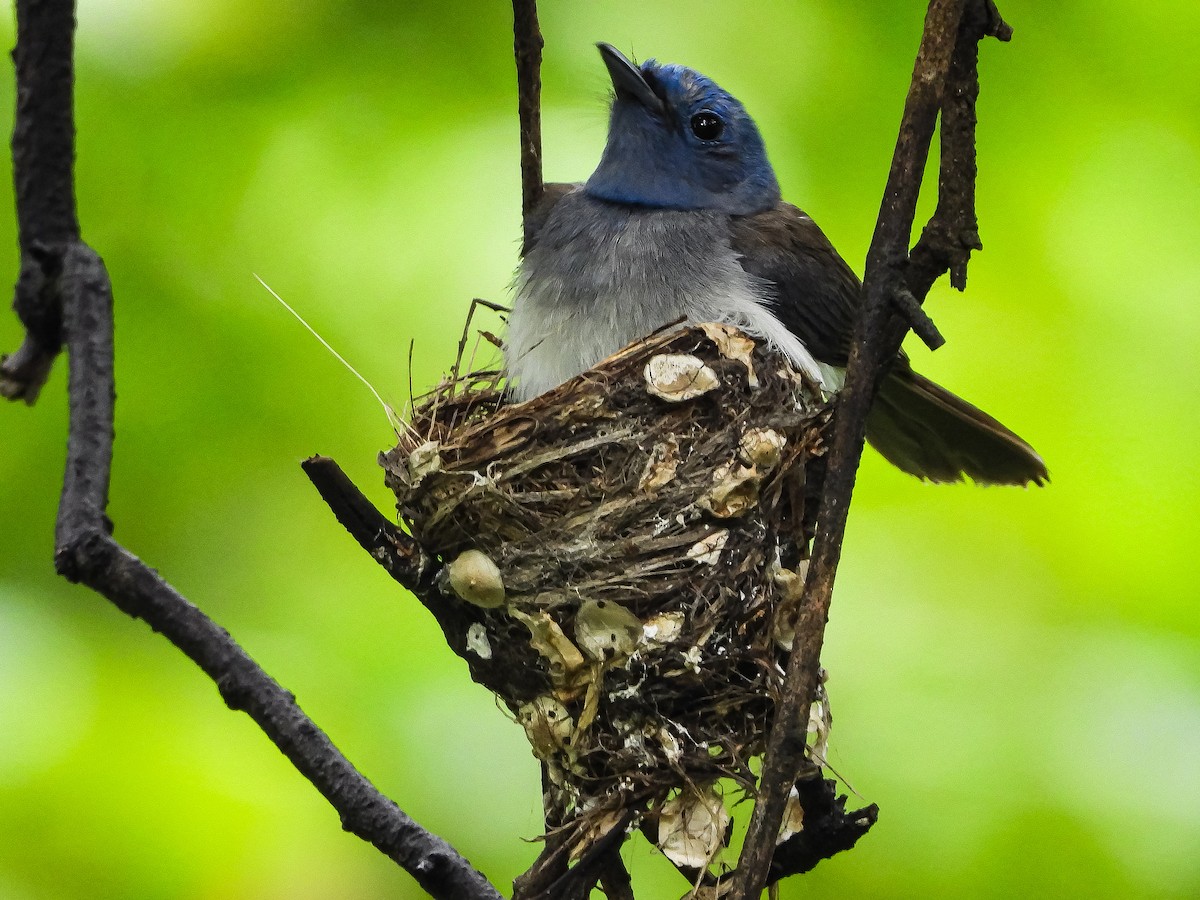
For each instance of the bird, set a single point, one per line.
(683, 221)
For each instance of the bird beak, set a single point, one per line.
(627, 78)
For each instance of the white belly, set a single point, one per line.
(596, 281)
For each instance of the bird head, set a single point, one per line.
(676, 140)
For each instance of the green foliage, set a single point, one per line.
(1014, 674)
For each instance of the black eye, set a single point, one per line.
(707, 126)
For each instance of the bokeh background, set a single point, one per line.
(1015, 674)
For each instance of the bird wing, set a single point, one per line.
(810, 287)
(551, 194)
(917, 425)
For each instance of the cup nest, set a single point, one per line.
(624, 557)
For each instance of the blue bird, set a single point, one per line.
(683, 219)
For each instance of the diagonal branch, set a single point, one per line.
(403, 559)
(398, 553)
(944, 67)
(67, 297)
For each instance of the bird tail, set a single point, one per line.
(922, 428)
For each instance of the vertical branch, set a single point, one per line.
(527, 48)
(87, 305)
(43, 148)
(43, 142)
(877, 338)
(953, 232)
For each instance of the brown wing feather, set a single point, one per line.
(811, 288)
(920, 427)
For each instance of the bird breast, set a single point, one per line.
(601, 275)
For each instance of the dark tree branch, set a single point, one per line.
(877, 338)
(398, 553)
(68, 297)
(550, 879)
(527, 47)
(551, 864)
(828, 829)
(953, 232)
(910, 309)
(402, 558)
(614, 877)
(43, 146)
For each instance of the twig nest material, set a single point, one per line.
(629, 542)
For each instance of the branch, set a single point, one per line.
(403, 559)
(43, 145)
(398, 553)
(953, 232)
(549, 878)
(527, 47)
(73, 294)
(946, 54)
(828, 829)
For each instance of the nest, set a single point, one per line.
(624, 557)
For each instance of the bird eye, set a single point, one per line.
(707, 125)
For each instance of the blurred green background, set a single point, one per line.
(1015, 674)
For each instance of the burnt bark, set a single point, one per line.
(43, 147)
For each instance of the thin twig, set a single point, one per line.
(910, 309)
(456, 371)
(527, 47)
(877, 339)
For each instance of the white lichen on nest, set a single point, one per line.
(632, 540)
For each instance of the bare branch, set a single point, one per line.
(910, 309)
(550, 879)
(828, 829)
(65, 295)
(403, 559)
(398, 553)
(614, 877)
(43, 146)
(877, 338)
(953, 232)
(527, 47)
(87, 554)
